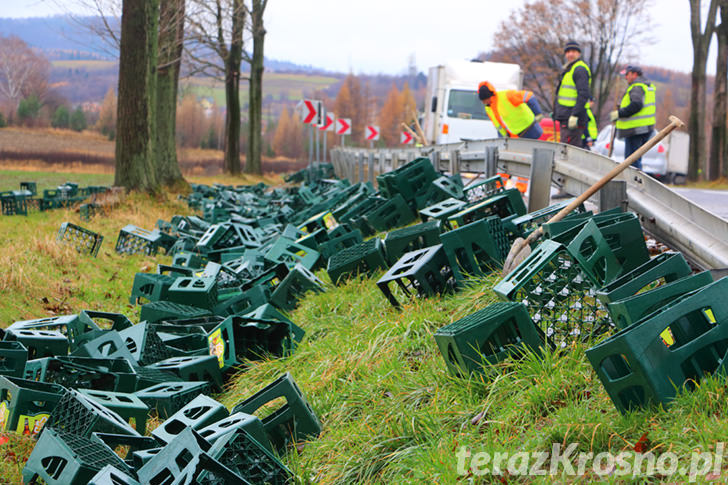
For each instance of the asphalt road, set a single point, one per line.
(716, 201)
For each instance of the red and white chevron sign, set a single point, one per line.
(343, 126)
(309, 111)
(405, 138)
(372, 133)
(328, 124)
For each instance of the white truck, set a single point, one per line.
(453, 111)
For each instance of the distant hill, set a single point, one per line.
(63, 38)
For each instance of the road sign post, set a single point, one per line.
(309, 115)
(326, 126)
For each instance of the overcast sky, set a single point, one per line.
(380, 35)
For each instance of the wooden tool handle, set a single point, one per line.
(675, 122)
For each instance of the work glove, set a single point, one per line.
(573, 122)
(614, 115)
(538, 117)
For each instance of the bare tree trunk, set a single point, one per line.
(255, 107)
(234, 57)
(696, 123)
(172, 18)
(719, 138)
(136, 126)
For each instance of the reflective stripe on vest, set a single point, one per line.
(567, 90)
(517, 119)
(592, 124)
(645, 116)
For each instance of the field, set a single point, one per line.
(87, 65)
(281, 87)
(48, 149)
(390, 411)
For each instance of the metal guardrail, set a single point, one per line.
(669, 217)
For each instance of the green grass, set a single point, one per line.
(10, 179)
(390, 411)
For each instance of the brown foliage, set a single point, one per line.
(288, 137)
(22, 72)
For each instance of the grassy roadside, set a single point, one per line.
(374, 375)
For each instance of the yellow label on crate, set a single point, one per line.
(4, 414)
(217, 346)
(31, 425)
(329, 221)
(667, 337)
(301, 253)
(708, 312)
(454, 224)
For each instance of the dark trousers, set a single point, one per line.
(572, 137)
(631, 144)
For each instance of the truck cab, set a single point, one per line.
(453, 111)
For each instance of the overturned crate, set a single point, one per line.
(83, 240)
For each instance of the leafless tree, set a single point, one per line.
(22, 71)
(215, 47)
(696, 121)
(255, 99)
(719, 133)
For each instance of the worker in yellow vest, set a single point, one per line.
(572, 94)
(635, 119)
(515, 114)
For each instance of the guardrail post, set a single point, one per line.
(371, 167)
(612, 195)
(454, 162)
(361, 167)
(435, 159)
(539, 185)
(491, 159)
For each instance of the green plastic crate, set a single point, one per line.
(83, 240)
(487, 337)
(292, 288)
(65, 458)
(629, 310)
(198, 413)
(393, 213)
(669, 350)
(364, 258)
(293, 421)
(126, 405)
(476, 248)
(425, 272)
(484, 189)
(25, 405)
(82, 415)
(507, 203)
(411, 238)
(291, 253)
(166, 398)
(13, 356)
(663, 268)
(193, 368)
(558, 294)
(442, 210)
(160, 310)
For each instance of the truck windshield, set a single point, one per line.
(466, 105)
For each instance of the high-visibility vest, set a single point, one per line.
(645, 116)
(591, 124)
(511, 121)
(567, 90)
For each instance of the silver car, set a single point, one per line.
(654, 162)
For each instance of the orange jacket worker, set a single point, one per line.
(515, 114)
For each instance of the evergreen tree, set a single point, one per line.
(61, 118)
(78, 120)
